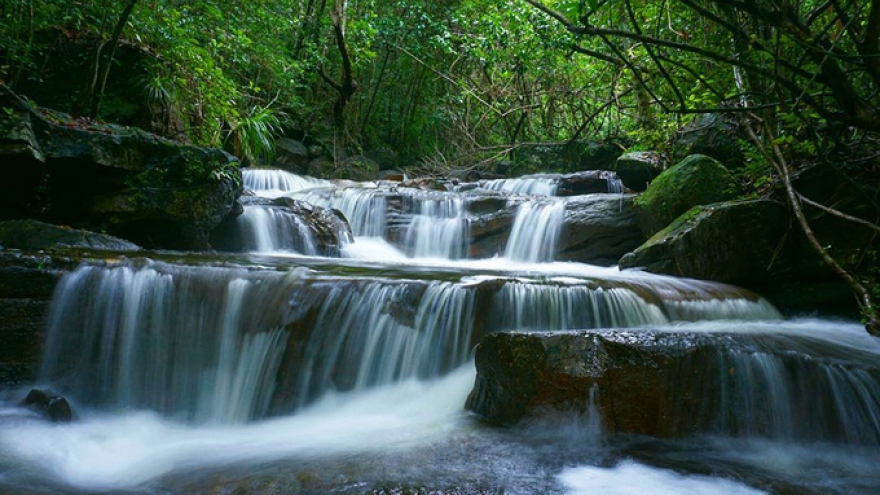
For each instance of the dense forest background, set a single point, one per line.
(446, 85)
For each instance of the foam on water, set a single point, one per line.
(632, 478)
(125, 451)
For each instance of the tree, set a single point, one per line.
(817, 61)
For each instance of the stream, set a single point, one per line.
(282, 371)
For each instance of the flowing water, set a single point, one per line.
(285, 372)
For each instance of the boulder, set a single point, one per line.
(34, 235)
(124, 181)
(733, 242)
(677, 383)
(291, 155)
(598, 229)
(53, 407)
(638, 168)
(328, 226)
(696, 180)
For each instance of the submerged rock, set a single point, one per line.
(124, 181)
(33, 235)
(50, 405)
(672, 384)
(696, 180)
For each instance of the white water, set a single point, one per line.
(535, 232)
(541, 185)
(438, 229)
(632, 478)
(126, 450)
(268, 229)
(273, 183)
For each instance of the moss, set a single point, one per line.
(696, 180)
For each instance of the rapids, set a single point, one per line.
(280, 371)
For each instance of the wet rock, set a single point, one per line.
(124, 181)
(489, 232)
(26, 286)
(672, 384)
(696, 180)
(328, 226)
(599, 229)
(34, 235)
(50, 405)
(638, 168)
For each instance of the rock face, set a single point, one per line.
(638, 168)
(120, 180)
(33, 235)
(696, 180)
(671, 384)
(598, 229)
(26, 287)
(731, 242)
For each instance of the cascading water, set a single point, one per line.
(268, 229)
(530, 184)
(365, 208)
(354, 374)
(438, 229)
(536, 231)
(273, 183)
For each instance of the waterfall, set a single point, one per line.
(530, 306)
(274, 183)
(543, 185)
(437, 229)
(269, 229)
(535, 231)
(755, 389)
(364, 208)
(206, 344)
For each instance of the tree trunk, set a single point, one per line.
(114, 42)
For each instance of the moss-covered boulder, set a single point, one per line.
(731, 242)
(696, 180)
(121, 180)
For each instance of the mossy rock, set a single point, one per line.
(731, 242)
(696, 180)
